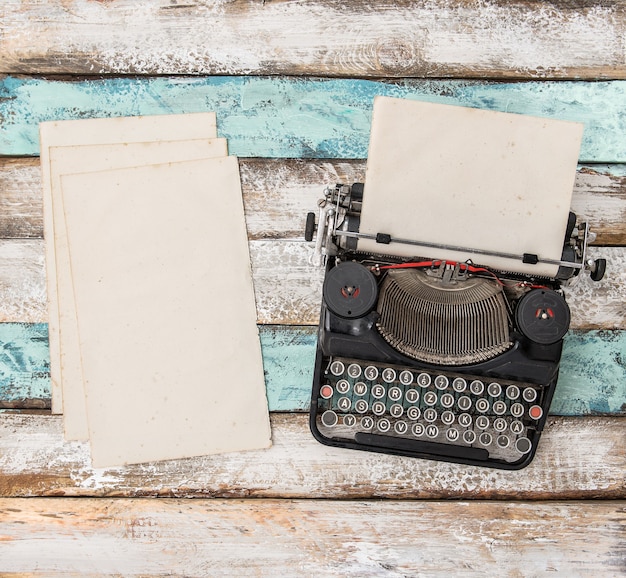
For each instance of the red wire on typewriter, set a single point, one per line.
(435, 263)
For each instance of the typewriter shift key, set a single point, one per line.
(427, 412)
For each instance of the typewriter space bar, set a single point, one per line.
(434, 448)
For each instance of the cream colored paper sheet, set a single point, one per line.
(100, 131)
(469, 178)
(166, 312)
(65, 160)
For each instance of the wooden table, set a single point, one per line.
(292, 84)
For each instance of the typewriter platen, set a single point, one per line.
(431, 358)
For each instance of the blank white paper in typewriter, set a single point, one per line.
(471, 178)
(170, 127)
(66, 160)
(166, 312)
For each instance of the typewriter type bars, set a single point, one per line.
(432, 358)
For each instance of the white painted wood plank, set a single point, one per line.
(311, 538)
(577, 458)
(434, 38)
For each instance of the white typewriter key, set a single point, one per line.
(371, 372)
(413, 413)
(396, 410)
(337, 368)
(401, 427)
(367, 422)
(477, 387)
(447, 400)
(517, 427)
(447, 417)
(354, 370)
(406, 377)
(360, 388)
(349, 420)
(464, 403)
(432, 431)
(499, 407)
(529, 394)
(459, 385)
(482, 422)
(485, 438)
(412, 395)
(383, 425)
(482, 405)
(423, 379)
(465, 419)
(326, 391)
(378, 391)
(389, 375)
(517, 410)
(344, 403)
(469, 437)
(395, 394)
(512, 392)
(441, 382)
(503, 441)
(343, 386)
(494, 389)
(418, 429)
(452, 434)
(430, 414)
(500, 424)
(430, 398)
(378, 408)
(329, 418)
(361, 406)
(523, 445)
(535, 411)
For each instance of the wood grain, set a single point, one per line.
(282, 117)
(423, 38)
(278, 193)
(142, 537)
(577, 458)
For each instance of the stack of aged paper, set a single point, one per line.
(154, 346)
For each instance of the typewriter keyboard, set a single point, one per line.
(451, 415)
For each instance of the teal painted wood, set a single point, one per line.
(592, 378)
(303, 118)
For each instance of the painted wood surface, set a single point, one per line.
(303, 118)
(576, 459)
(278, 193)
(311, 538)
(411, 38)
(592, 377)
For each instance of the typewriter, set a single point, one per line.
(433, 358)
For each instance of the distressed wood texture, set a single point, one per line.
(278, 193)
(311, 538)
(592, 378)
(422, 38)
(577, 459)
(303, 118)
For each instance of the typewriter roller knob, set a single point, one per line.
(309, 227)
(350, 290)
(543, 316)
(598, 269)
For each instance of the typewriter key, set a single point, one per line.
(329, 418)
(350, 290)
(523, 445)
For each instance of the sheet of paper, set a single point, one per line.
(97, 158)
(101, 131)
(166, 312)
(469, 178)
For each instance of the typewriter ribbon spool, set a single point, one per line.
(350, 290)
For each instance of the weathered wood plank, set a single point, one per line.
(288, 287)
(327, 37)
(303, 118)
(577, 458)
(278, 193)
(142, 537)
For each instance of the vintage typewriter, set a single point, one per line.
(432, 358)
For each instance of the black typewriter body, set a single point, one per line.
(434, 359)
